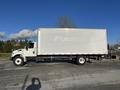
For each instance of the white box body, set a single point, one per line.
(71, 41)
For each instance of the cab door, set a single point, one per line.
(30, 50)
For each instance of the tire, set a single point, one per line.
(81, 60)
(18, 61)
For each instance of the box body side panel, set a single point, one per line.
(80, 41)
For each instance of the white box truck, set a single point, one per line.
(72, 43)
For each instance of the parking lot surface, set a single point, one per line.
(99, 75)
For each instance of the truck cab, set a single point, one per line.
(19, 56)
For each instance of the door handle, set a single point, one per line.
(33, 52)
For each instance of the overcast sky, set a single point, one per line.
(16, 15)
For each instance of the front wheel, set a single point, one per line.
(18, 61)
(81, 60)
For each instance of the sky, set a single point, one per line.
(16, 15)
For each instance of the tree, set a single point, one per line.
(1, 46)
(65, 22)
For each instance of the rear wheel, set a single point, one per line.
(81, 60)
(18, 61)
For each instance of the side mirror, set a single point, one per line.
(26, 47)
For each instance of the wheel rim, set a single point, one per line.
(18, 61)
(81, 60)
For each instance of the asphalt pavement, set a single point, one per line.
(98, 75)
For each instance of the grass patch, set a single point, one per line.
(4, 56)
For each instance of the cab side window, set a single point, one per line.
(31, 45)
